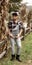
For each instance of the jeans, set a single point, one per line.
(18, 43)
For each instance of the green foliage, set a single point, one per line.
(15, 0)
(14, 8)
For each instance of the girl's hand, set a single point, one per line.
(18, 36)
(12, 36)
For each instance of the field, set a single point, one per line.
(26, 53)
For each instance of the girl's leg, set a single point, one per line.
(12, 49)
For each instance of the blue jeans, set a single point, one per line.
(18, 43)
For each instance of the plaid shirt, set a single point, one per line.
(15, 27)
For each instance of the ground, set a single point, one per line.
(26, 53)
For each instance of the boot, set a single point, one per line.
(13, 57)
(18, 58)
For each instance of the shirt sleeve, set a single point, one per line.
(10, 26)
(21, 25)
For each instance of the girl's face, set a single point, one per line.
(15, 18)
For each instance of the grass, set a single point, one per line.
(26, 53)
